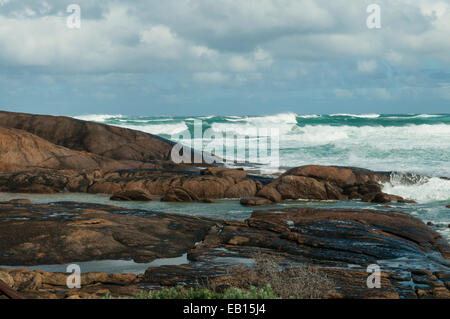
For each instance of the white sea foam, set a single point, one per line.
(159, 129)
(364, 116)
(251, 126)
(282, 118)
(424, 189)
(97, 117)
(423, 149)
(309, 116)
(386, 138)
(427, 116)
(149, 120)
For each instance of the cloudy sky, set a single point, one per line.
(191, 57)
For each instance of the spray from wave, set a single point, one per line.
(418, 143)
(422, 189)
(98, 117)
(363, 116)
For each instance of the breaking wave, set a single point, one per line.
(422, 189)
(418, 143)
(98, 117)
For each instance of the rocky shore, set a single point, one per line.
(46, 155)
(339, 242)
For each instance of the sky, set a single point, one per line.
(224, 57)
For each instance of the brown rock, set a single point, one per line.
(91, 232)
(151, 181)
(383, 198)
(441, 293)
(333, 183)
(330, 239)
(379, 198)
(236, 174)
(20, 150)
(7, 278)
(256, 201)
(104, 140)
(20, 201)
(238, 240)
(113, 279)
(44, 181)
(270, 193)
(325, 238)
(179, 194)
(246, 188)
(338, 176)
(300, 187)
(132, 195)
(26, 280)
(105, 187)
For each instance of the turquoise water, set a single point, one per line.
(417, 143)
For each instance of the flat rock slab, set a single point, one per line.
(414, 259)
(67, 232)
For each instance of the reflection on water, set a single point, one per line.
(110, 266)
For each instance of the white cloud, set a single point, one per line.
(241, 64)
(252, 62)
(231, 41)
(248, 33)
(210, 77)
(368, 66)
(159, 36)
(202, 51)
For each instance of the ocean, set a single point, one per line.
(415, 146)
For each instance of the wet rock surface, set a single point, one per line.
(180, 183)
(256, 201)
(330, 183)
(132, 195)
(414, 259)
(46, 285)
(61, 233)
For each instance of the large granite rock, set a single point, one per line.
(329, 183)
(104, 140)
(45, 285)
(414, 260)
(66, 232)
(20, 151)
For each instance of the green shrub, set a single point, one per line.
(204, 293)
(252, 293)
